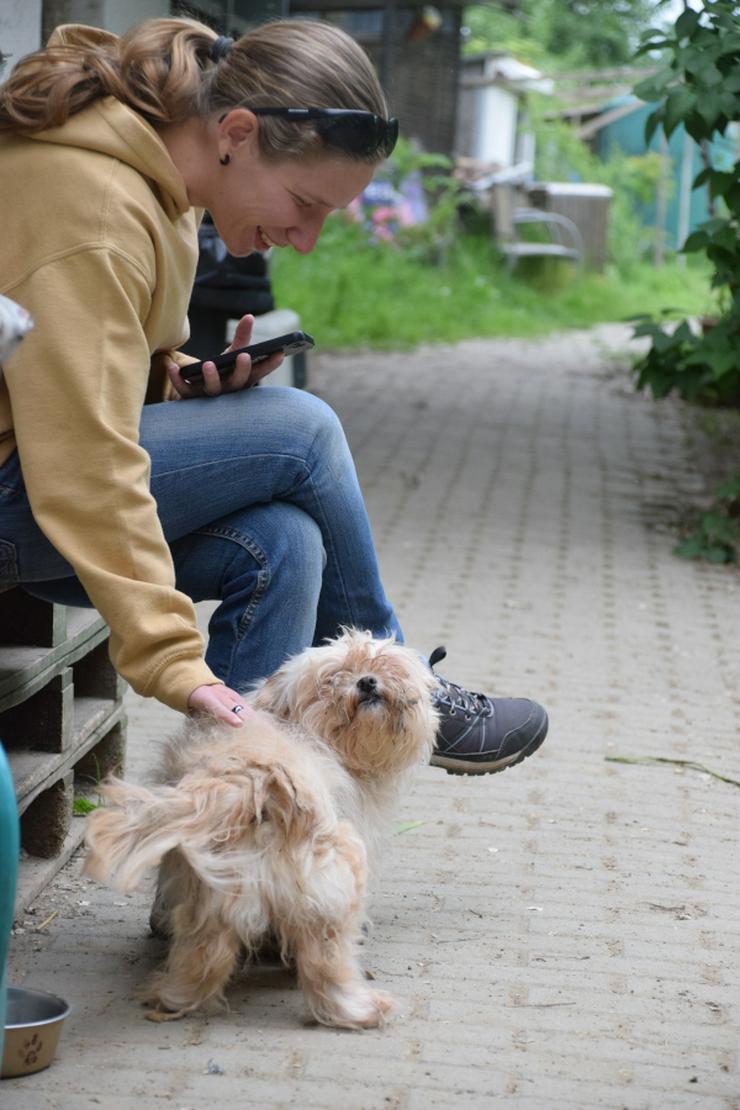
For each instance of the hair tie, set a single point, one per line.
(220, 48)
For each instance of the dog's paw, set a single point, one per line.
(166, 1015)
(158, 1010)
(380, 1006)
(358, 1008)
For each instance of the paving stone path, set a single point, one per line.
(565, 934)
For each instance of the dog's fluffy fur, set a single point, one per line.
(268, 830)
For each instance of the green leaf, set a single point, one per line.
(719, 360)
(726, 238)
(655, 86)
(692, 548)
(82, 806)
(686, 23)
(652, 123)
(697, 127)
(719, 554)
(729, 46)
(728, 104)
(720, 528)
(702, 67)
(731, 81)
(652, 44)
(709, 107)
(720, 182)
(663, 341)
(648, 327)
(679, 104)
(683, 333)
(713, 225)
(651, 32)
(408, 825)
(730, 488)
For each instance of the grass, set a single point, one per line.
(349, 293)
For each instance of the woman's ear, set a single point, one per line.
(238, 130)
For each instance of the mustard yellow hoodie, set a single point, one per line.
(99, 243)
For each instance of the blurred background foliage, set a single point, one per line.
(444, 279)
(561, 34)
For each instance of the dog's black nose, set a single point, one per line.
(368, 684)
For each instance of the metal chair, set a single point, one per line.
(504, 194)
(565, 240)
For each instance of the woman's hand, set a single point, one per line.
(219, 702)
(241, 377)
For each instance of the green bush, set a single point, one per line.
(699, 86)
(716, 536)
(699, 363)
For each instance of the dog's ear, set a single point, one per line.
(273, 695)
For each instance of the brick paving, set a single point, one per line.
(564, 934)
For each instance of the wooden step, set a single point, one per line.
(24, 670)
(62, 725)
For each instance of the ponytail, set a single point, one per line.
(169, 70)
(155, 68)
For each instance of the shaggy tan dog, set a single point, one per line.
(268, 831)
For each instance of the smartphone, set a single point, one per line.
(291, 344)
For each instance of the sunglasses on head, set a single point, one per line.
(345, 129)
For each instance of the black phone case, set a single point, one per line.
(291, 344)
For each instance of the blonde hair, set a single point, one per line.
(163, 69)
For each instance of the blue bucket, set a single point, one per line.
(9, 851)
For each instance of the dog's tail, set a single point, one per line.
(208, 819)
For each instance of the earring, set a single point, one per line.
(225, 160)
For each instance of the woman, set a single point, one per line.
(113, 494)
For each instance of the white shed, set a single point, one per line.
(489, 126)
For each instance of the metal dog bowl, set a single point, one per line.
(33, 1023)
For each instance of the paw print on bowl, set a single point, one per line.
(31, 1049)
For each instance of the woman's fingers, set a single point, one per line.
(265, 367)
(212, 385)
(242, 333)
(179, 384)
(220, 702)
(243, 374)
(240, 376)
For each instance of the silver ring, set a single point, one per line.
(237, 709)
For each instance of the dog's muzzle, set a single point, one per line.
(368, 690)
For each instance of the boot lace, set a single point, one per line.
(454, 697)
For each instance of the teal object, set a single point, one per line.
(9, 851)
(628, 134)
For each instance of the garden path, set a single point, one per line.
(561, 935)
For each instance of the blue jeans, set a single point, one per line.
(260, 504)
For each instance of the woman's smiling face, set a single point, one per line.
(256, 204)
(263, 204)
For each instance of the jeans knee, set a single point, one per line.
(299, 553)
(321, 423)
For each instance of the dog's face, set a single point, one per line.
(369, 699)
